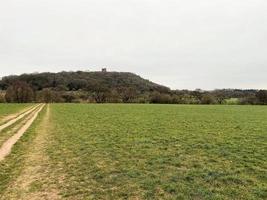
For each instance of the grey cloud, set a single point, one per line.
(180, 43)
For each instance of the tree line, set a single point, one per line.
(113, 87)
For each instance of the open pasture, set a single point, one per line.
(113, 151)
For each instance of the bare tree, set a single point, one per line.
(19, 92)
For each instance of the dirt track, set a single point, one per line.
(36, 169)
(9, 117)
(7, 146)
(14, 120)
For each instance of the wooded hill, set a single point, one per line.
(86, 81)
(113, 87)
(83, 86)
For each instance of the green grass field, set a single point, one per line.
(79, 151)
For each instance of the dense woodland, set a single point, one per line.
(113, 87)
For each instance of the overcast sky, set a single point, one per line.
(179, 43)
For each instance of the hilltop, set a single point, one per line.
(81, 86)
(86, 81)
(112, 87)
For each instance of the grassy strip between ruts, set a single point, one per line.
(34, 180)
(11, 130)
(11, 167)
(8, 109)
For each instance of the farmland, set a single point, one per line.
(116, 151)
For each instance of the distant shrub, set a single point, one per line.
(2, 97)
(159, 98)
(232, 101)
(250, 100)
(262, 97)
(207, 99)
